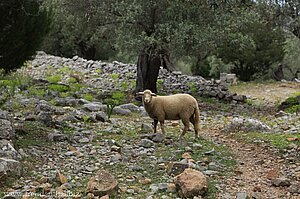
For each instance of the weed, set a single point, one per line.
(58, 87)
(192, 87)
(114, 76)
(88, 97)
(54, 79)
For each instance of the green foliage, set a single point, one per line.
(58, 87)
(251, 44)
(115, 76)
(23, 24)
(160, 84)
(36, 92)
(54, 79)
(10, 84)
(192, 87)
(116, 99)
(293, 109)
(291, 60)
(88, 97)
(72, 80)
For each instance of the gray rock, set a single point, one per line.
(44, 106)
(131, 107)
(45, 118)
(121, 111)
(146, 128)
(280, 182)
(135, 168)
(175, 168)
(10, 166)
(94, 107)
(159, 137)
(84, 140)
(4, 115)
(101, 116)
(8, 151)
(6, 130)
(146, 143)
(57, 137)
(294, 188)
(246, 125)
(210, 172)
(241, 195)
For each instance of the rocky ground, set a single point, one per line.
(57, 140)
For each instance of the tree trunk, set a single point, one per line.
(148, 68)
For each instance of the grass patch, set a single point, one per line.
(278, 140)
(35, 135)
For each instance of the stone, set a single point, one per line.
(45, 118)
(241, 195)
(146, 143)
(121, 111)
(94, 107)
(131, 107)
(171, 188)
(84, 140)
(6, 130)
(191, 183)
(294, 188)
(62, 179)
(101, 116)
(57, 137)
(10, 166)
(44, 106)
(102, 184)
(146, 128)
(175, 168)
(8, 151)
(4, 115)
(158, 137)
(280, 182)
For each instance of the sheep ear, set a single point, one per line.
(153, 94)
(140, 94)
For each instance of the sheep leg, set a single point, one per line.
(162, 126)
(192, 120)
(186, 124)
(155, 125)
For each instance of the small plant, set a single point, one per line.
(88, 97)
(124, 86)
(293, 109)
(114, 76)
(98, 70)
(65, 69)
(86, 118)
(192, 87)
(116, 99)
(58, 87)
(159, 84)
(72, 80)
(37, 92)
(54, 79)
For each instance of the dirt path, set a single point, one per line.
(256, 165)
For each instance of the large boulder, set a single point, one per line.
(191, 183)
(6, 130)
(246, 125)
(102, 184)
(9, 166)
(7, 150)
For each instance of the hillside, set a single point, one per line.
(57, 139)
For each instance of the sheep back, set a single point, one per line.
(173, 107)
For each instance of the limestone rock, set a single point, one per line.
(102, 184)
(191, 183)
(6, 130)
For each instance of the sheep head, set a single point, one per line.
(147, 96)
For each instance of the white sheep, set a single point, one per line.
(173, 107)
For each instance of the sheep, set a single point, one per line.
(173, 107)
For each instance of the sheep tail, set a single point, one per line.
(197, 117)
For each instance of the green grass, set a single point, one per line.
(277, 140)
(36, 135)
